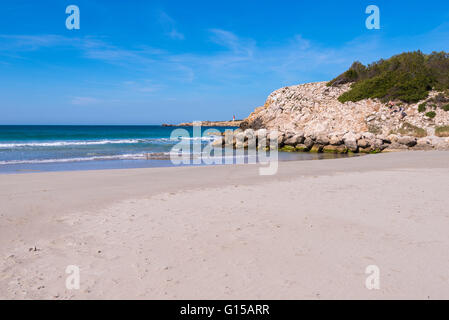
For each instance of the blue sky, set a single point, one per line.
(149, 62)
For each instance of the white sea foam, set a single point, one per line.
(65, 143)
(135, 156)
(139, 156)
(13, 145)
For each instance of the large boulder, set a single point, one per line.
(281, 139)
(396, 146)
(250, 134)
(239, 139)
(250, 139)
(263, 144)
(377, 144)
(393, 138)
(294, 140)
(288, 149)
(368, 136)
(336, 139)
(350, 140)
(219, 142)
(229, 139)
(302, 148)
(317, 148)
(440, 143)
(262, 140)
(261, 133)
(365, 150)
(384, 138)
(240, 144)
(335, 149)
(322, 139)
(424, 144)
(407, 141)
(309, 142)
(363, 143)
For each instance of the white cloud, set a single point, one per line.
(85, 101)
(169, 26)
(232, 42)
(175, 34)
(236, 61)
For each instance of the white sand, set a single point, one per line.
(227, 233)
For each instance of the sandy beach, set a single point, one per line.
(225, 232)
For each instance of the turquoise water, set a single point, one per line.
(56, 148)
(46, 144)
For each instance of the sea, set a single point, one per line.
(66, 148)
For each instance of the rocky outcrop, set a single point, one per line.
(329, 143)
(310, 117)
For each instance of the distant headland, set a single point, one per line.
(231, 123)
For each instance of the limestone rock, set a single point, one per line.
(350, 140)
(308, 142)
(311, 114)
(302, 148)
(336, 139)
(322, 139)
(408, 141)
(424, 144)
(317, 148)
(397, 146)
(363, 143)
(335, 149)
(262, 133)
(294, 140)
(250, 134)
(314, 108)
(281, 139)
(287, 148)
(218, 142)
(240, 144)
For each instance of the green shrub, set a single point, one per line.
(445, 107)
(422, 107)
(354, 73)
(409, 129)
(431, 114)
(442, 131)
(408, 77)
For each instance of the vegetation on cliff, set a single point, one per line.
(442, 131)
(407, 77)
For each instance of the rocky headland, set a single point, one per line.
(319, 117)
(231, 123)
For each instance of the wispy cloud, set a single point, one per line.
(232, 42)
(115, 55)
(236, 60)
(169, 26)
(21, 43)
(85, 101)
(142, 86)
